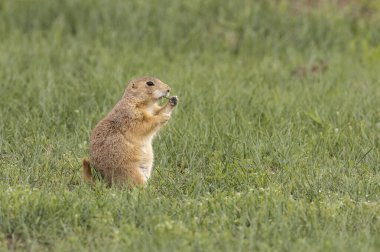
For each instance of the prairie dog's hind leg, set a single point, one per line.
(130, 173)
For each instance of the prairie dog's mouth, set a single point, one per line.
(166, 96)
(158, 94)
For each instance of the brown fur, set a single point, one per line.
(87, 171)
(121, 143)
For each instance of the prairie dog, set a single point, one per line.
(121, 143)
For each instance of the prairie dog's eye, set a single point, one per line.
(149, 83)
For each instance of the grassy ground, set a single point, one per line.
(274, 145)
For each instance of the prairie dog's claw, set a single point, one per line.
(173, 100)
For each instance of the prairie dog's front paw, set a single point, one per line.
(173, 100)
(164, 117)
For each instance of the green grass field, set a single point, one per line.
(275, 144)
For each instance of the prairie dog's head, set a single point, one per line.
(147, 89)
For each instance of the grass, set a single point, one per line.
(274, 145)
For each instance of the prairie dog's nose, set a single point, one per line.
(168, 90)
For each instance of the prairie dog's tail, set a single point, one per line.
(87, 175)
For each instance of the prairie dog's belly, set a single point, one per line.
(146, 153)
